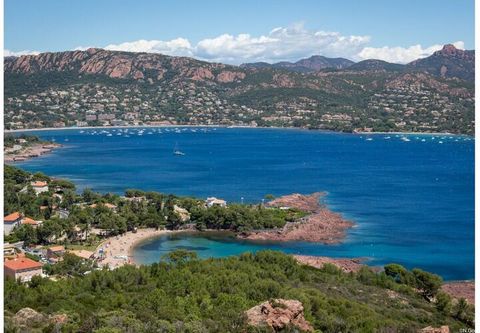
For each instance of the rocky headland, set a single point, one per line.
(22, 153)
(321, 225)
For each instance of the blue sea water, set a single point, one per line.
(412, 201)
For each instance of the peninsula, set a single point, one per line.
(22, 147)
(320, 225)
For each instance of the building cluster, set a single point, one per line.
(405, 107)
(422, 109)
(95, 104)
(19, 266)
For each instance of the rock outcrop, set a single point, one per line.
(123, 65)
(448, 62)
(322, 225)
(279, 314)
(461, 289)
(346, 265)
(430, 329)
(27, 317)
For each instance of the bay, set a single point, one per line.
(410, 196)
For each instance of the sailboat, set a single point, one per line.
(177, 151)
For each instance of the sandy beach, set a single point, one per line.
(117, 249)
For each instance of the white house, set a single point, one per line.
(212, 201)
(39, 187)
(22, 268)
(11, 221)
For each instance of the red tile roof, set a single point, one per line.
(21, 264)
(12, 217)
(28, 220)
(39, 184)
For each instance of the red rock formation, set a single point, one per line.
(308, 203)
(346, 265)
(322, 225)
(229, 76)
(278, 314)
(461, 289)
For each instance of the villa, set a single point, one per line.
(212, 201)
(22, 268)
(39, 187)
(11, 221)
(30, 221)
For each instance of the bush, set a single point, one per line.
(429, 284)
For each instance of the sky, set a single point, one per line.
(234, 31)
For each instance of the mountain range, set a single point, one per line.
(81, 87)
(311, 64)
(448, 62)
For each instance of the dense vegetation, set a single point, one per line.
(190, 295)
(10, 140)
(137, 209)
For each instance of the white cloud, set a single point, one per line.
(401, 55)
(289, 43)
(283, 43)
(176, 47)
(8, 53)
(280, 44)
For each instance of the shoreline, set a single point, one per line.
(117, 250)
(321, 225)
(228, 126)
(31, 152)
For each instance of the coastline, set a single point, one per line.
(30, 152)
(117, 250)
(321, 225)
(229, 126)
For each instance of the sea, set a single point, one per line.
(411, 196)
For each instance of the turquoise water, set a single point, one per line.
(412, 199)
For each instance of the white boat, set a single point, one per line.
(403, 138)
(177, 151)
(369, 139)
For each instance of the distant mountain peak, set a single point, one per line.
(449, 50)
(448, 62)
(311, 64)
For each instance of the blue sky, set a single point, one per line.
(237, 31)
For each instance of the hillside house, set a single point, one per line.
(212, 201)
(22, 268)
(39, 187)
(11, 221)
